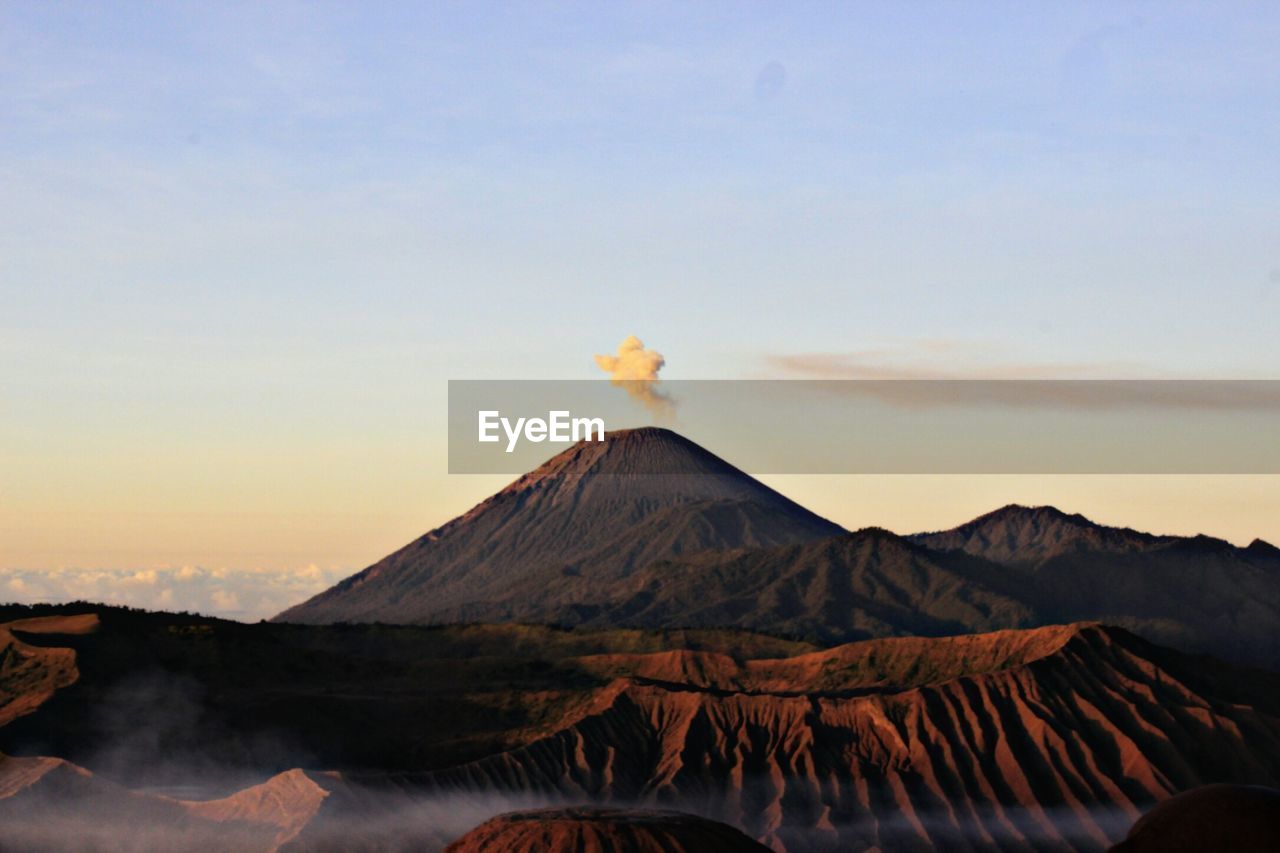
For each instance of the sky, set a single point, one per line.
(245, 245)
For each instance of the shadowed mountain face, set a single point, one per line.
(1014, 568)
(591, 515)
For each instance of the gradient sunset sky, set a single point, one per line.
(243, 247)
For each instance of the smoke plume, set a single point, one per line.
(636, 369)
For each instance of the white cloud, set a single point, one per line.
(225, 600)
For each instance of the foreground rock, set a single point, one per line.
(29, 675)
(1212, 819)
(596, 830)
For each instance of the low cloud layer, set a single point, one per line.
(244, 594)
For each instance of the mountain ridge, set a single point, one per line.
(1059, 750)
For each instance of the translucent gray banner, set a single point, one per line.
(885, 426)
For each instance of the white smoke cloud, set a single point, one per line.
(244, 594)
(636, 370)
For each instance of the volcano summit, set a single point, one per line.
(543, 548)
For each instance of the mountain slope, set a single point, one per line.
(601, 509)
(1014, 568)
(861, 585)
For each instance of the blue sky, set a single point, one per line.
(1085, 182)
(244, 245)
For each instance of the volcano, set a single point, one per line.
(541, 548)
(648, 530)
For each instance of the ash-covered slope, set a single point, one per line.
(589, 516)
(1049, 739)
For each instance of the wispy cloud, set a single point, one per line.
(947, 372)
(944, 359)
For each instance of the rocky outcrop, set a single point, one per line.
(30, 675)
(1211, 819)
(602, 830)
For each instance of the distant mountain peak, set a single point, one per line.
(1263, 548)
(1044, 513)
(1032, 534)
